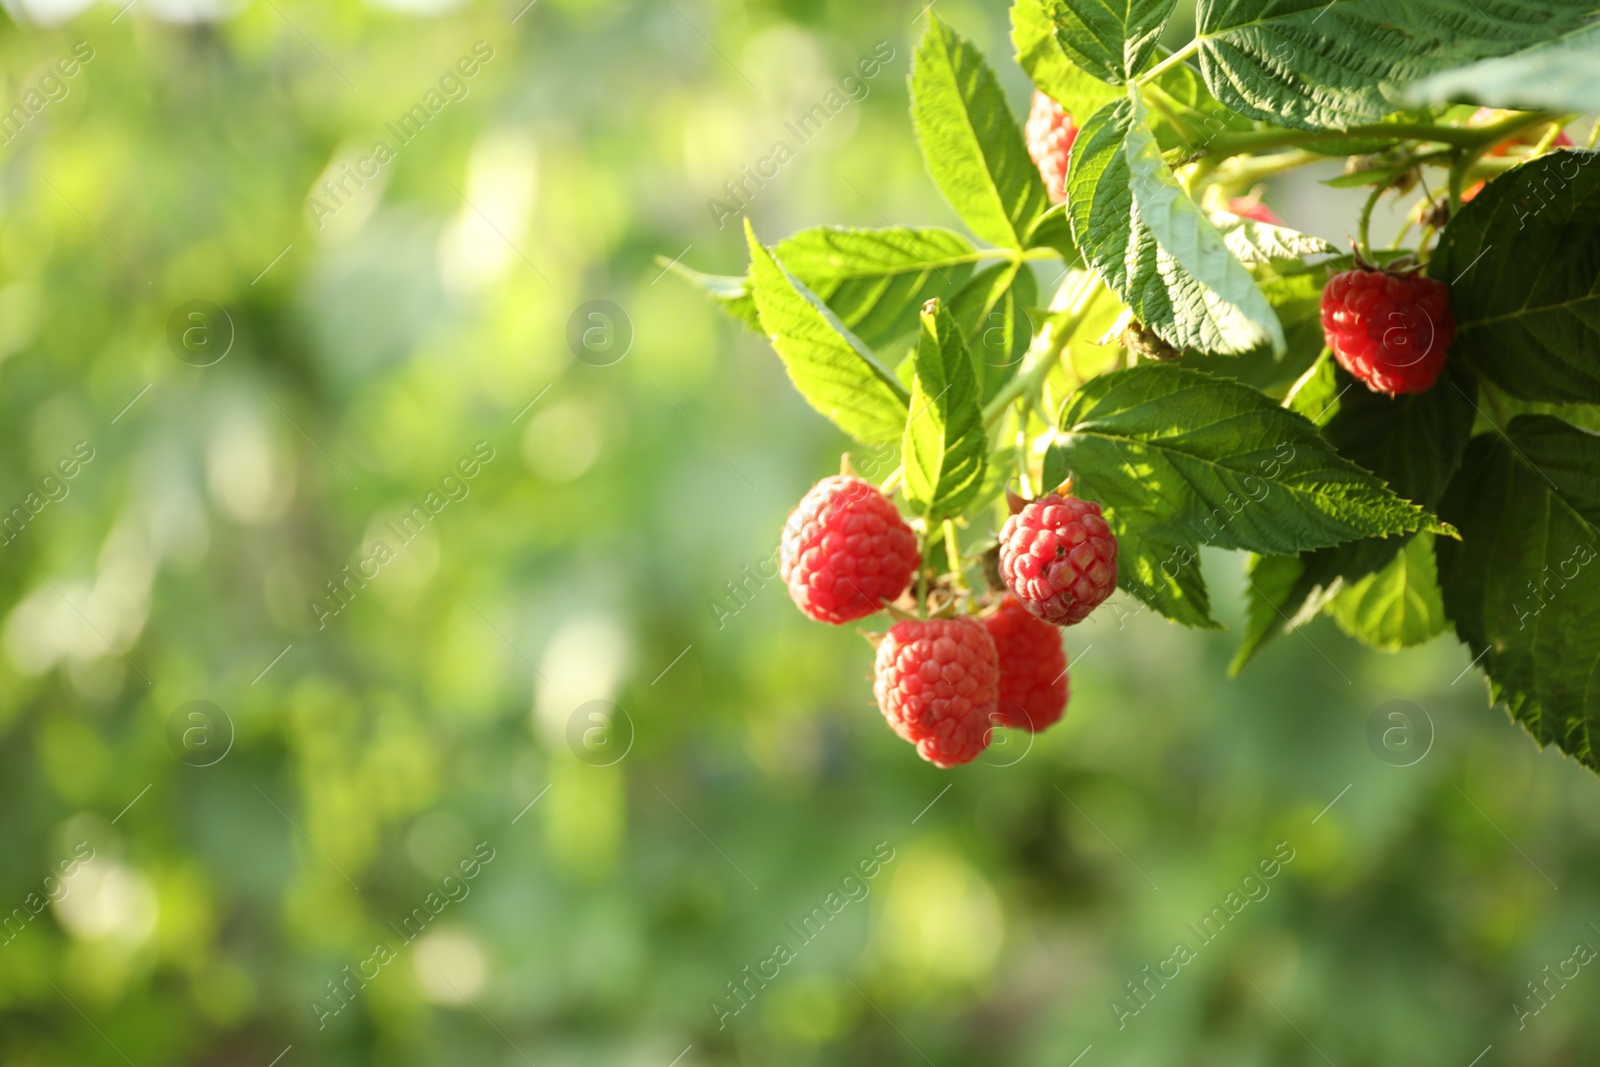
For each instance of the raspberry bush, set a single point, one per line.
(1397, 435)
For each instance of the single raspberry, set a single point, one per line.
(1252, 208)
(1050, 133)
(937, 682)
(1033, 667)
(1059, 557)
(846, 551)
(1392, 331)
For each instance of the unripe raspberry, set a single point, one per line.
(1392, 331)
(846, 551)
(1033, 667)
(1050, 133)
(1059, 558)
(1253, 208)
(938, 682)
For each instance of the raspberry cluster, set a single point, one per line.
(944, 683)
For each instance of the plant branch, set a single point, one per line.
(1171, 61)
(1364, 227)
(1046, 349)
(1476, 140)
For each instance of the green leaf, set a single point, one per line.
(731, 294)
(1255, 243)
(1152, 246)
(1203, 458)
(1033, 32)
(1523, 584)
(1398, 606)
(1183, 458)
(1558, 75)
(876, 281)
(1522, 260)
(1313, 64)
(945, 444)
(1112, 41)
(1053, 229)
(1185, 115)
(991, 311)
(970, 143)
(1296, 298)
(1276, 585)
(1163, 574)
(828, 364)
(1413, 442)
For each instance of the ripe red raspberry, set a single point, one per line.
(1392, 331)
(1050, 133)
(1033, 667)
(1252, 208)
(846, 551)
(937, 682)
(1059, 557)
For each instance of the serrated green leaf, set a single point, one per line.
(1033, 32)
(1318, 65)
(1255, 243)
(829, 365)
(876, 281)
(945, 445)
(1398, 606)
(1522, 260)
(1523, 584)
(1557, 75)
(1296, 297)
(1413, 442)
(1188, 458)
(1112, 41)
(991, 311)
(730, 293)
(1053, 230)
(970, 143)
(1153, 247)
(1184, 114)
(1274, 586)
(1164, 575)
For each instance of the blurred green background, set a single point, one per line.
(283, 871)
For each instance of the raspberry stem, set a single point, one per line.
(1171, 61)
(952, 551)
(1077, 289)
